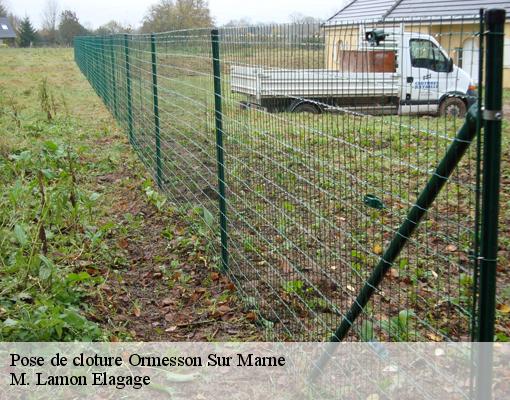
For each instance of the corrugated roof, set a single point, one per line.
(384, 10)
(6, 31)
(363, 9)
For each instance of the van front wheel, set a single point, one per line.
(453, 107)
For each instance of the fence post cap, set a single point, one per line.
(495, 16)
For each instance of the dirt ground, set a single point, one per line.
(190, 301)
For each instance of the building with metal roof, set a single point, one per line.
(7, 32)
(453, 23)
(402, 10)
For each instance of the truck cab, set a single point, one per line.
(431, 82)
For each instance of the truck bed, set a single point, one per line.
(263, 83)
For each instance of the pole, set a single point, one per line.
(113, 76)
(128, 87)
(215, 40)
(492, 115)
(159, 169)
(103, 69)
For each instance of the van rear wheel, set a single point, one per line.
(306, 108)
(453, 107)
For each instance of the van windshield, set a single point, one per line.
(425, 54)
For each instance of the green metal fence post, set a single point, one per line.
(113, 76)
(492, 114)
(159, 169)
(102, 72)
(476, 244)
(215, 40)
(128, 89)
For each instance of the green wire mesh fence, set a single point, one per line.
(301, 149)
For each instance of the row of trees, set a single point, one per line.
(60, 27)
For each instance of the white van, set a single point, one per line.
(399, 73)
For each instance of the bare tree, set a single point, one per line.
(298, 18)
(49, 20)
(3, 9)
(113, 27)
(169, 15)
(69, 27)
(236, 23)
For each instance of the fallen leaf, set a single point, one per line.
(123, 243)
(195, 296)
(137, 312)
(223, 309)
(167, 302)
(215, 276)
(463, 257)
(251, 316)
(504, 308)
(171, 329)
(286, 266)
(84, 263)
(93, 271)
(227, 317)
(394, 273)
(434, 337)
(378, 249)
(451, 248)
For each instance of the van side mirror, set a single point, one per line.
(450, 65)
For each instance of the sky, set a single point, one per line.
(94, 13)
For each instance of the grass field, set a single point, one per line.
(88, 249)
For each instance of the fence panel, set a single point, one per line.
(309, 144)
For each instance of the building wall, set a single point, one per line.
(452, 37)
(345, 37)
(7, 42)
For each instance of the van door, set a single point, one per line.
(428, 70)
